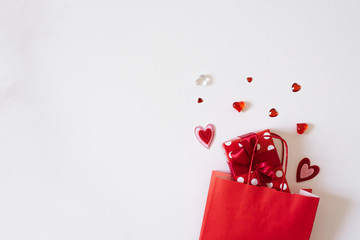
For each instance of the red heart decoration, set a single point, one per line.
(305, 171)
(296, 87)
(239, 105)
(301, 127)
(205, 136)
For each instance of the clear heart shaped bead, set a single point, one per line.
(203, 80)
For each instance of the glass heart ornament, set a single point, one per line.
(239, 106)
(296, 87)
(301, 127)
(203, 80)
(273, 112)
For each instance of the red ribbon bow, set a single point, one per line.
(263, 163)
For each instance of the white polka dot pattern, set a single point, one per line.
(266, 134)
(270, 147)
(254, 181)
(285, 186)
(240, 179)
(279, 173)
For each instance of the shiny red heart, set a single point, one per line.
(239, 105)
(205, 136)
(305, 171)
(296, 87)
(301, 127)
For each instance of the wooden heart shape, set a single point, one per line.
(205, 136)
(305, 171)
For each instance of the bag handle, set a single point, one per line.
(282, 148)
(272, 135)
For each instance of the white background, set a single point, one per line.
(98, 105)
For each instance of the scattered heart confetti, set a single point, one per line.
(200, 100)
(205, 136)
(273, 112)
(301, 127)
(239, 105)
(249, 79)
(296, 87)
(305, 171)
(203, 80)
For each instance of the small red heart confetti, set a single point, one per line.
(205, 136)
(200, 100)
(305, 171)
(239, 105)
(296, 87)
(273, 112)
(249, 79)
(301, 127)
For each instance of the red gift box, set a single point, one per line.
(267, 168)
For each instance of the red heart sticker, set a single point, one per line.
(305, 171)
(205, 136)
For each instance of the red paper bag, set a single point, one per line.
(239, 211)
